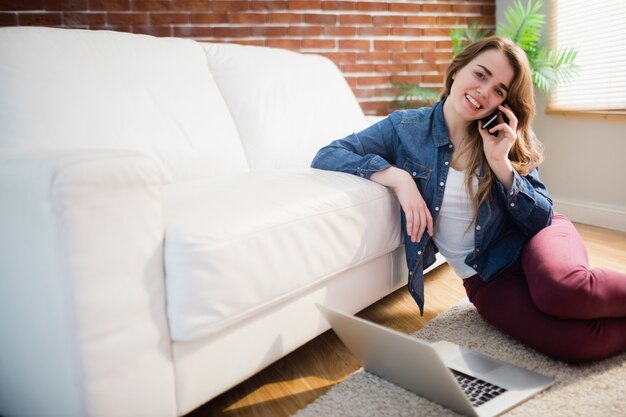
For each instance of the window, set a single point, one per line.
(598, 30)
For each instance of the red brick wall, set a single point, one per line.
(374, 43)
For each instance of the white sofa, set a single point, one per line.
(162, 237)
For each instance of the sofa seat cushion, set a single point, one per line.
(237, 245)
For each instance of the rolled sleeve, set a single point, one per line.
(520, 197)
(527, 202)
(371, 166)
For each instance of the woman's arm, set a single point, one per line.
(525, 197)
(370, 154)
(363, 153)
(416, 211)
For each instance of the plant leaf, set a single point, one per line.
(461, 37)
(552, 67)
(523, 25)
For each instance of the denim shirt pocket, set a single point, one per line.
(420, 173)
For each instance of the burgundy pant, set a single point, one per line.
(553, 302)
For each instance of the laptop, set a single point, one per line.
(457, 378)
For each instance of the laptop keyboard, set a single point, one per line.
(477, 390)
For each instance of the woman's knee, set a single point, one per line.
(564, 297)
(555, 252)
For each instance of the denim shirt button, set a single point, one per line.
(414, 174)
(436, 208)
(475, 266)
(446, 163)
(419, 252)
(478, 227)
(441, 184)
(512, 204)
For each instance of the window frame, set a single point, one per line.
(553, 109)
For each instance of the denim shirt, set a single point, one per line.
(417, 141)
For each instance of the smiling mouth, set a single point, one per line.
(474, 102)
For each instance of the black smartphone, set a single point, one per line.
(492, 120)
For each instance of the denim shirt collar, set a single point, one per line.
(440, 129)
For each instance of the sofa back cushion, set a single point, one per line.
(63, 88)
(286, 105)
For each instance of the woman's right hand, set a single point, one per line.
(416, 211)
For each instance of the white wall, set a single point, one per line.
(585, 167)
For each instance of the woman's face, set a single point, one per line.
(480, 86)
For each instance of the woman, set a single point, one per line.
(475, 195)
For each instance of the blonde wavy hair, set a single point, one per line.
(527, 152)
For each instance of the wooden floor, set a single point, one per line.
(299, 378)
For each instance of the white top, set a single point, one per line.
(453, 235)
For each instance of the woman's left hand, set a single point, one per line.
(497, 148)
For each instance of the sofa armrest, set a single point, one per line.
(83, 329)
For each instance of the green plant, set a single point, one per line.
(549, 66)
(523, 26)
(412, 94)
(461, 37)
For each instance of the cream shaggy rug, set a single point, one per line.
(596, 389)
